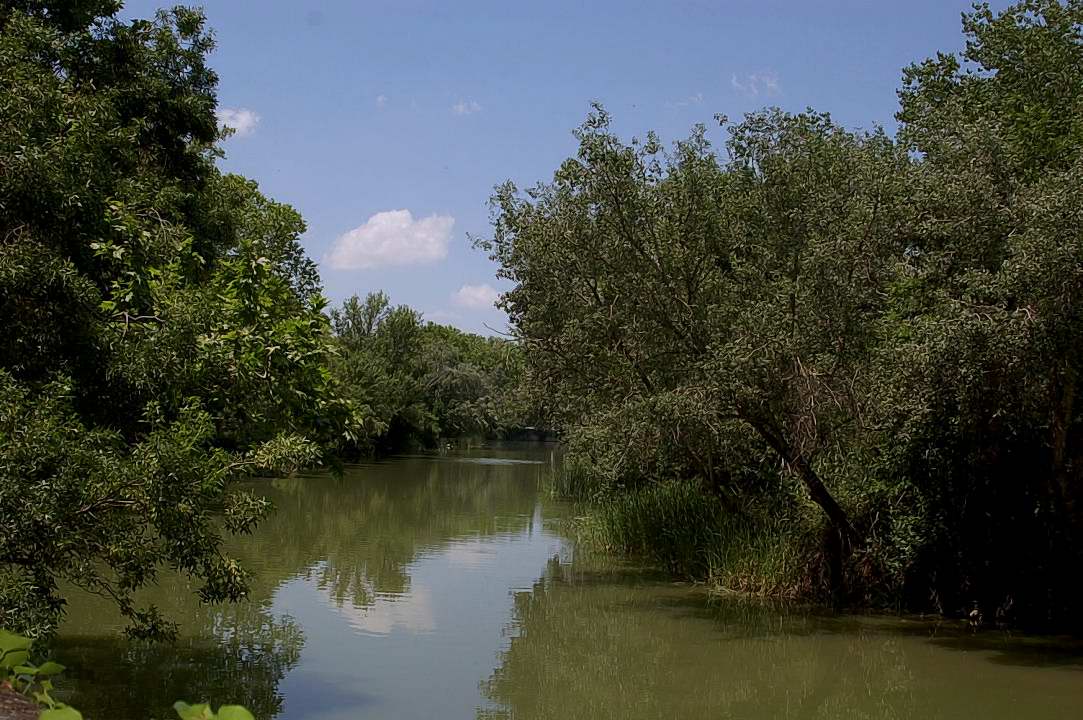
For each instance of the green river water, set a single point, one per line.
(441, 587)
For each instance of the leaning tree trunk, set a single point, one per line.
(811, 480)
(822, 497)
(1063, 415)
(839, 543)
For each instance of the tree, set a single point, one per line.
(423, 381)
(164, 330)
(893, 321)
(984, 409)
(740, 296)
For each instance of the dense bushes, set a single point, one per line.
(419, 381)
(860, 350)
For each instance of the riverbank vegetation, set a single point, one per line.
(165, 334)
(831, 363)
(420, 382)
(819, 363)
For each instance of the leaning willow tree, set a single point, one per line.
(163, 330)
(866, 340)
(691, 318)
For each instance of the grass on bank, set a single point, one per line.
(676, 526)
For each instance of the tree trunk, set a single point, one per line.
(822, 497)
(1061, 426)
(815, 486)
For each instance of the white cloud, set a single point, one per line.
(696, 99)
(466, 107)
(393, 237)
(381, 101)
(476, 296)
(471, 555)
(410, 612)
(756, 84)
(243, 120)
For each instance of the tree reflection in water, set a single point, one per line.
(236, 653)
(354, 537)
(593, 642)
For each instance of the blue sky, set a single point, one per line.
(388, 123)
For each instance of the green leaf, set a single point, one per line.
(61, 713)
(234, 712)
(10, 641)
(13, 658)
(201, 711)
(25, 670)
(49, 668)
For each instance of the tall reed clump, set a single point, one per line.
(671, 524)
(575, 480)
(779, 557)
(676, 525)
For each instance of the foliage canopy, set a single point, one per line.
(164, 331)
(887, 327)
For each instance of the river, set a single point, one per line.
(442, 587)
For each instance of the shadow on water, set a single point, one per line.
(594, 642)
(1020, 652)
(733, 616)
(238, 652)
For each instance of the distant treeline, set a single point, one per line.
(831, 363)
(419, 382)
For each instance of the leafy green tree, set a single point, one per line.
(986, 318)
(714, 302)
(893, 322)
(423, 381)
(164, 331)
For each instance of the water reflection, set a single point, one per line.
(442, 588)
(591, 642)
(240, 652)
(356, 535)
(365, 563)
(412, 613)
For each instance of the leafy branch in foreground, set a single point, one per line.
(22, 676)
(203, 712)
(19, 675)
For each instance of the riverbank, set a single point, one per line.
(446, 585)
(782, 552)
